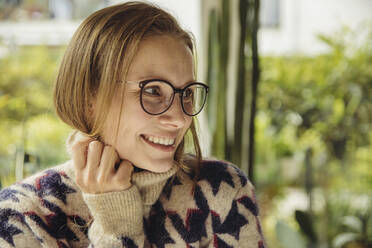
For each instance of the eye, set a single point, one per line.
(188, 94)
(152, 91)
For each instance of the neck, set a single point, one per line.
(150, 184)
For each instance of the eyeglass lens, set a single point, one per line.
(157, 97)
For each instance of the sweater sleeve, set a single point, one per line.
(21, 224)
(29, 220)
(117, 219)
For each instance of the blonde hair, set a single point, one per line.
(99, 55)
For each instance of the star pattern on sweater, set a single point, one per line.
(155, 226)
(79, 222)
(243, 178)
(7, 230)
(9, 193)
(234, 221)
(219, 243)
(162, 226)
(128, 243)
(172, 181)
(189, 246)
(55, 223)
(194, 227)
(215, 173)
(249, 204)
(261, 244)
(51, 183)
(61, 244)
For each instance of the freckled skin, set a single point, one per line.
(160, 57)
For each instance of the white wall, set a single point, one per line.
(52, 33)
(301, 20)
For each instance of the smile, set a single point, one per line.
(159, 140)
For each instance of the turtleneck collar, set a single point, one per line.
(150, 184)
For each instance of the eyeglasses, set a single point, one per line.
(157, 96)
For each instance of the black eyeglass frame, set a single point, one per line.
(143, 83)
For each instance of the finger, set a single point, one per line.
(124, 172)
(93, 157)
(79, 153)
(74, 137)
(108, 161)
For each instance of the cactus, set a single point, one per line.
(217, 77)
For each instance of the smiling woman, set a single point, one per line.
(127, 86)
(160, 56)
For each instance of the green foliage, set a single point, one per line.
(357, 230)
(322, 104)
(319, 103)
(288, 237)
(350, 219)
(47, 144)
(305, 222)
(26, 71)
(26, 110)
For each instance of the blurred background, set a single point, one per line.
(293, 79)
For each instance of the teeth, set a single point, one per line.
(162, 141)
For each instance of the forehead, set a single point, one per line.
(162, 57)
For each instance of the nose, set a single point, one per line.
(174, 116)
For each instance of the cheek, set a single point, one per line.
(128, 127)
(133, 121)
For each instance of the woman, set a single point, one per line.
(127, 85)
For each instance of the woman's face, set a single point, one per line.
(158, 57)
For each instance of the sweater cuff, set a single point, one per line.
(117, 212)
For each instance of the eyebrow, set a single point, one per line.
(159, 78)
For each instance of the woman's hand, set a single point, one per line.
(95, 167)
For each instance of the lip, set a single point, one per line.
(160, 147)
(161, 136)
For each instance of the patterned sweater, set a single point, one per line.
(158, 210)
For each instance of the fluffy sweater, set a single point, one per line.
(159, 210)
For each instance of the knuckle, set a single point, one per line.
(122, 175)
(90, 178)
(95, 145)
(101, 179)
(106, 150)
(109, 148)
(79, 180)
(78, 144)
(75, 147)
(81, 137)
